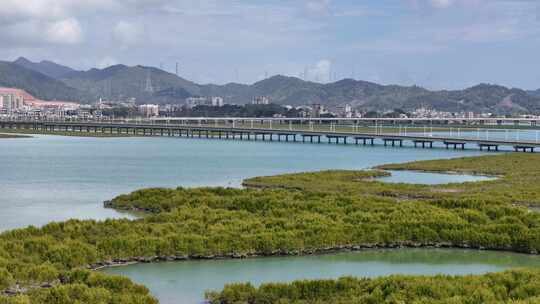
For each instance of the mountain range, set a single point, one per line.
(51, 81)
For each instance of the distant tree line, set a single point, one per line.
(248, 110)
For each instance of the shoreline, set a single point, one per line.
(389, 167)
(22, 132)
(13, 136)
(297, 253)
(475, 174)
(124, 262)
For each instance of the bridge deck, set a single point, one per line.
(189, 130)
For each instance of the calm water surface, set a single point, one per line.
(186, 282)
(428, 178)
(53, 178)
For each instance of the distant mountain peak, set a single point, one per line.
(487, 86)
(22, 60)
(348, 81)
(16, 75)
(116, 67)
(45, 67)
(281, 77)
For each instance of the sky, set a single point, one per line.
(437, 44)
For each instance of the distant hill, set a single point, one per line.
(480, 98)
(152, 85)
(294, 91)
(534, 93)
(291, 90)
(119, 82)
(232, 92)
(372, 96)
(37, 84)
(45, 67)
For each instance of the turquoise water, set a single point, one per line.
(54, 178)
(428, 178)
(186, 282)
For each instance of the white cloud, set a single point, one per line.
(358, 12)
(444, 4)
(396, 46)
(318, 6)
(321, 71)
(66, 31)
(212, 38)
(16, 11)
(441, 3)
(126, 33)
(468, 22)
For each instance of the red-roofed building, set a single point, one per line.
(13, 98)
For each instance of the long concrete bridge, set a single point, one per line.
(265, 133)
(477, 121)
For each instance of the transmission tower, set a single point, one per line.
(149, 88)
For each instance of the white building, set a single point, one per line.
(196, 101)
(345, 111)
(149, 110)
(260, 100)
(217, 101)
(11, 102)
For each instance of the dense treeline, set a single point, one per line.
(288, 214)
(506, 287)
(248, 110)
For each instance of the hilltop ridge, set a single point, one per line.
(48, 80)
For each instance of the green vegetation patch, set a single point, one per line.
(290, 215)
(505, 287)
(83, 286)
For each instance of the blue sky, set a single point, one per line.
(431, 43)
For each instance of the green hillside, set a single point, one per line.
(37, 84)
(148, 84)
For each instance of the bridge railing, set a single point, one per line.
(352, 127)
